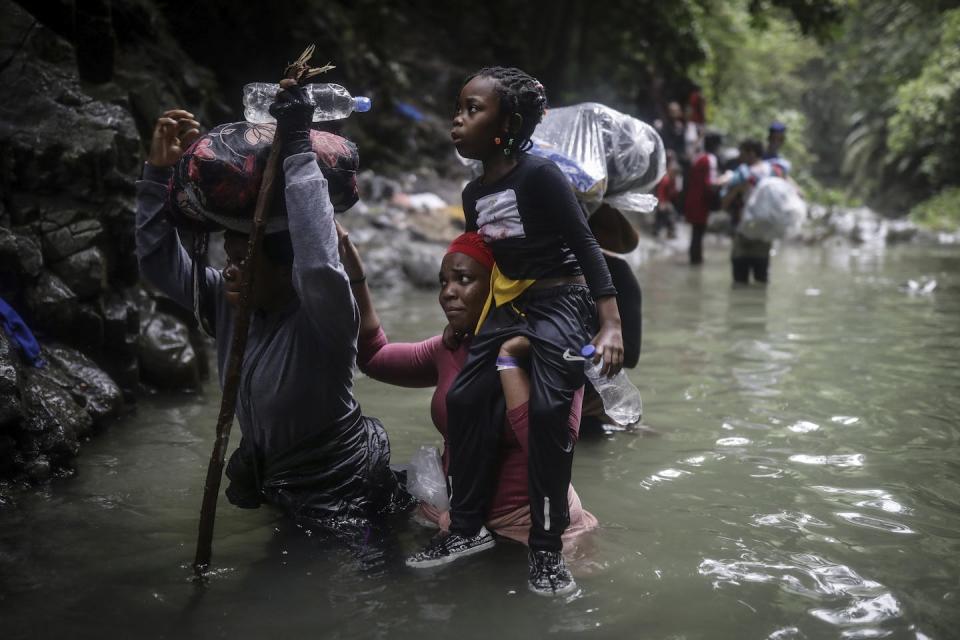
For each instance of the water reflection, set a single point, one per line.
(805, 485)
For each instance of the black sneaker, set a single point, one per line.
(549, 575)
(447, 547)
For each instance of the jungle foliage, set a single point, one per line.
(870, 89)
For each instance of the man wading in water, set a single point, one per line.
(305, 445)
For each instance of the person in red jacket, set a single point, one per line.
(667, 195)
(701, 194)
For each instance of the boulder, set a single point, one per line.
(65, 241)
(52, 304)
(54, 421)
(9, 459)
(11, 410)
(167, 358)
(19, 254)
(91, 388)
(121, 323)
(85, 272)
(421, 263)
(87, 328)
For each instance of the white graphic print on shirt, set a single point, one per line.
(498, 217)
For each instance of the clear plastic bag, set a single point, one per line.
(425, 479)
(773, 208)
(606, 155)
(617, 154)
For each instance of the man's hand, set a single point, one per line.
(174, 132)
(294, 112)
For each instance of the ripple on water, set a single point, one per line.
(862, 601)
(790, 520)
(803, 426)
(837, 460)
(867, 611)
(871, 522)
(845, 420)
(880, 499)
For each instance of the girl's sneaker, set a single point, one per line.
(549, 575)
(447, 547)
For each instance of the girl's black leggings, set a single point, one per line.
(554, 320)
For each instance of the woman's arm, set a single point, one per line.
(353, 265)
(403, 364)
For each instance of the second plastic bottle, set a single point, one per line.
(621, 399)
(331, 102)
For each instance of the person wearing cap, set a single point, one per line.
(464, 286)
(776, 136)
(305, 446)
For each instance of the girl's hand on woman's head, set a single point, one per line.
(174, 131)
(609, 344)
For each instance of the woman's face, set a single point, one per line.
(464, 284)
(477, 120)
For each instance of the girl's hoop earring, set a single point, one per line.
(507, 149)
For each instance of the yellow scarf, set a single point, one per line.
(502, 291)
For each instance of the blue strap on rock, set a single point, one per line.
(18, 330)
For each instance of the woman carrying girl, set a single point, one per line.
(549, 285)
(464, 284)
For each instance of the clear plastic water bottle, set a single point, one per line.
(331, 101)
(621, 400)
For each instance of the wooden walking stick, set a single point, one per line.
(299, 71)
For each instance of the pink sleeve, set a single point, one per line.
(407, 364)
(519, 420)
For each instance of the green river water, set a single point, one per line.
(805, 483)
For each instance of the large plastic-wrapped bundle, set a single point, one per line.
(217, 181)
(607, 155)
(774, 206)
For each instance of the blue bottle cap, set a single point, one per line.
(361, 104)
(588, 350)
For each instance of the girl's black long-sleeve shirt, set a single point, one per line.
(532, 222)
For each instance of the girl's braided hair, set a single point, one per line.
(519, 93)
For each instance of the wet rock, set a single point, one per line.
(901, 231)
(167, 358)
(38, 469)
(375, 187)
(52, 304)
(9, 457)
(421, 262)
(85, 272)
(67, 240)
(10, 406)
(54, 422)
(87, 328)
(121, 323)
(91, 388)
(19, 254)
